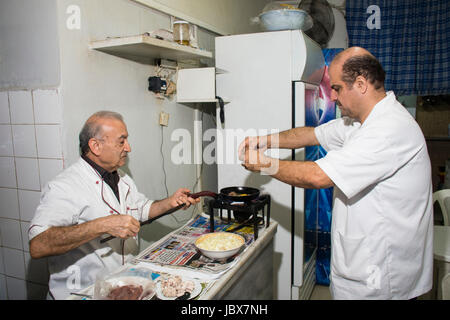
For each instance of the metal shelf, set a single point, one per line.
(145, 49)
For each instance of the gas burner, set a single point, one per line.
(241, 216)
(246, 213)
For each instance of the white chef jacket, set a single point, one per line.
(75, 196)
(382, 222)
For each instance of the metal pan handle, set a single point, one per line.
(192, 195)
(203, 194)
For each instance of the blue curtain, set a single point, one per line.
(411, 39)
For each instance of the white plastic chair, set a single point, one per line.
(440, 197)
(446, 287)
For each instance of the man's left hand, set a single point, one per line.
(256, 161)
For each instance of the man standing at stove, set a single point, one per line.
(382, 224)
(91, 199)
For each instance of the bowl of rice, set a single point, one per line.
(219, 245)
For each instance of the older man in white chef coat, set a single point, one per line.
(379, 165)
(88, 200)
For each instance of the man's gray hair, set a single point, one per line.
(92, 128)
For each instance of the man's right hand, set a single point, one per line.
(252, 144)
(120, 226)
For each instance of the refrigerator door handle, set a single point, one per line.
(298, 219)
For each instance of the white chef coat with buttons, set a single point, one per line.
(79, 195)
(382, 222)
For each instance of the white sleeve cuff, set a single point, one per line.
(146, 210)
(337, 179)
(320, 138)
(35, 230)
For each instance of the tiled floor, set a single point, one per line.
(321, 293)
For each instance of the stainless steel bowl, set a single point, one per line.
(283, 19)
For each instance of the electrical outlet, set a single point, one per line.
(163, 119)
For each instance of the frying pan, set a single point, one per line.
(244, 194)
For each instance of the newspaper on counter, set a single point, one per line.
(177, 248)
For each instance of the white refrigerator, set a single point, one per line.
(267, 82)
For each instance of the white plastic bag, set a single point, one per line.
(129, 284)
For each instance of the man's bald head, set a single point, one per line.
(357, 61)
(93, 127)
(351, 52)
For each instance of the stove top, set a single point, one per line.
(255, 212)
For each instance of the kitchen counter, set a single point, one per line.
(239, 282)
(256, 263)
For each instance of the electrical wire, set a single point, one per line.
(200, 175)
(164, 170)
(163, 161)
(165, 178)
(194, 211)
(196, 183)
(201, 166)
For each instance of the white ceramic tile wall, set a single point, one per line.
(14, 263)
(11, 233)
(21, 107)
(46, 107)
(30, 156)
(49, 168)
(17, 288)
(3, 294)
(24, 140)
(6, 145)
(48, 141)
(28, 201)
(4, 108)
(24, 226)
(2, 264)
(7, 173)
(9, 205)
(27, 172)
